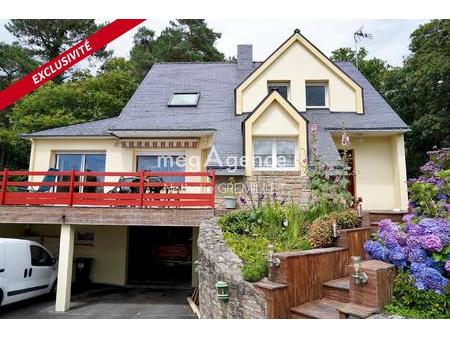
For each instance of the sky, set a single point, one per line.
(390, 37)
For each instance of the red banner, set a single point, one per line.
(66, 60)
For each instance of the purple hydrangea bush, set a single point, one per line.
(420, 244)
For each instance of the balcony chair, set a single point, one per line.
(42, 188)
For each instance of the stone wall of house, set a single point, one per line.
(288, 185)
(218, 263)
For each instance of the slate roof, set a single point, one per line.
(147, 109)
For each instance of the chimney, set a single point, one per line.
(245, 57)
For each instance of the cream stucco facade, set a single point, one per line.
(298, 62)
(379, 170)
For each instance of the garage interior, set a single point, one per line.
(160, 256)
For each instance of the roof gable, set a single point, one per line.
(293, 40)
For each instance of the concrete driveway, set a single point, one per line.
(108, 302)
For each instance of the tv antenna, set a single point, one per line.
(358, 36)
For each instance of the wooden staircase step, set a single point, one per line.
(354, 310)
(337, 289)
(318, 309)
(340, 283)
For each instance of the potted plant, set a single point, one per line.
(229, 196)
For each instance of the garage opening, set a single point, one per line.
(160, 256)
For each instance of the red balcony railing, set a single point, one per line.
(121, 189)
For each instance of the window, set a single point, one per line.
(282, 87)
(40, 257)
(274, 154)
(163, 163)
(82, 162)
(316, 95)
(184, 100)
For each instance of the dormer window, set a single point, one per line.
(184, 100)
(316, 95)
(282, 87)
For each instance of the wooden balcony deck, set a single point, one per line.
(188, 217)
(86, 198)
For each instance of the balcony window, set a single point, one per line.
(81, 162)
(316, 95)
(274, 154)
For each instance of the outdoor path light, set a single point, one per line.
(273, 261)
(359, 276)
(222, 290)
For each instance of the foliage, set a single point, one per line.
(184, 40)
(83, 98)
(321, 232)
(15, 62)
(412, 303)
(328, 184)
(46, 39)
(248, 233)
(345, 219)
(421, 245)
(253, 250)
(425, 74)
(430, 191)
(321, 229)
(374, 69)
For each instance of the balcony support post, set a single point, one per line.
(65, 262)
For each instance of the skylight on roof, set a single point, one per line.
(184, 100)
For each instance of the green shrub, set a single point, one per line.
(237, 222)
(346, 219)
(321, 232)
(251, 247)
(252, 251)
(412, 303)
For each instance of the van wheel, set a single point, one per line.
(1, 297)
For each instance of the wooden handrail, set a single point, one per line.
(67, 189)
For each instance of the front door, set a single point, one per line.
(351, 164)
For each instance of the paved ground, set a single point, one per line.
(108, 302)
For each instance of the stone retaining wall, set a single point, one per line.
(218, 262)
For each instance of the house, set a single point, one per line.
(208, 121)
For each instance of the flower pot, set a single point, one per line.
(230, 202)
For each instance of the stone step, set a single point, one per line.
(318, 309)
(337, 289)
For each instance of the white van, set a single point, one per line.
(27, 270)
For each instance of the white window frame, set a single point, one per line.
(318, 84)
(83, 161)
(82, 153)
(274, 152)
(280, 84)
